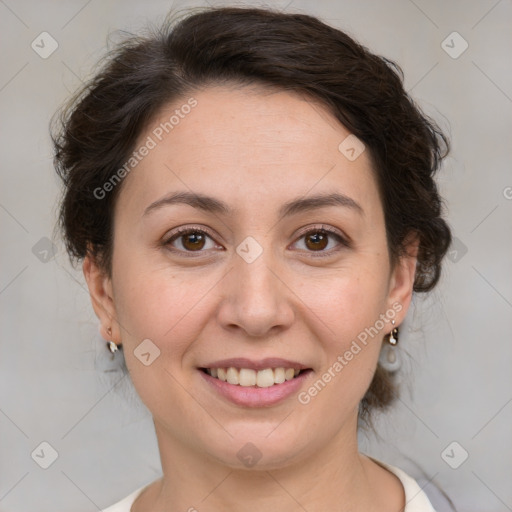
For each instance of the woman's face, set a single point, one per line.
(261, 283)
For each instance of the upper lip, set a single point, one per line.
(262, 364)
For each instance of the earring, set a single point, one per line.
(393, 335)
(389, 357)
(112, 347)
(110, 344)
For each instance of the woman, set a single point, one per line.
(252, 196)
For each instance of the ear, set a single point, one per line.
(100, 290)
(402, 277)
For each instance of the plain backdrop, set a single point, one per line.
(59, 385)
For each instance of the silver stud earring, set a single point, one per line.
(110, 344)
(393, 335)
(112, 347)
(389, 357)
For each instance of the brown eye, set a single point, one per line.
(317, 241)
(193, 241)
(190, 240)
(320, 240)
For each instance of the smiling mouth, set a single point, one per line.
(247, 377)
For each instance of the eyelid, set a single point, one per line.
(344, 240)
(175, 234)
(323, 227)
(186, 229)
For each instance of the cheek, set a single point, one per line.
(348, 306)
(168, 307)
(346, 300)
(347, 325)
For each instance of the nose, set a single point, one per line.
(256, 298)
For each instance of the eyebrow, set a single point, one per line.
(212, 205)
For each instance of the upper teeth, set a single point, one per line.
(248, 377)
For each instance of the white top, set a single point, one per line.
(415, 499)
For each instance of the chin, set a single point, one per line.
(260, 448)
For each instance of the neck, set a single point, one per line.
(193, 480)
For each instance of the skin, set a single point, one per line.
(254, 149)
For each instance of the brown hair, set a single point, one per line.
(98, 129)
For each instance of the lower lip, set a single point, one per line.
(253, 396)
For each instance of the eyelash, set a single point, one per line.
(316, 254)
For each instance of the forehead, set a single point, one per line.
(243, 143)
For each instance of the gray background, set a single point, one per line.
(57, 381)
